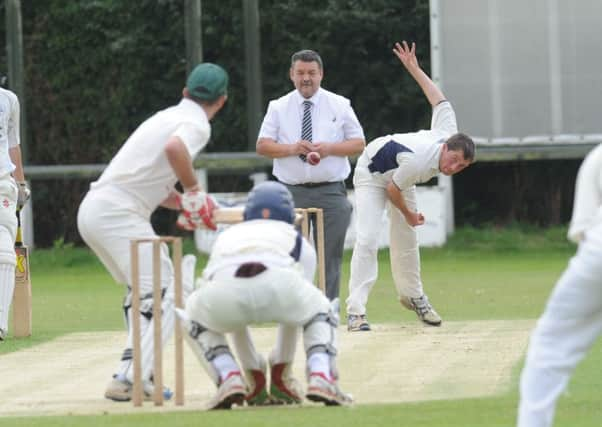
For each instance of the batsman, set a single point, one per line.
(141, 177)
(14, 193)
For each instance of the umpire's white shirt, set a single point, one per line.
(333, 120)
(407, 158)
(140, 170)
(9, 129)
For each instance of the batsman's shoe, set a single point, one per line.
(321, 389)
(121, 390)
(231, 391)
(423, 309)
(2, 334)
(357, 322)
(257, 382)
(284, 389)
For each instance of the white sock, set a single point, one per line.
(224, 364)
(319, 362)
(7, 287)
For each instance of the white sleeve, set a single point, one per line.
(587, 206)
(193, 136)
(444, 118)
(270, 125)
(406, 173)
(13, 121)
(351, 125)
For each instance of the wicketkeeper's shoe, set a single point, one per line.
(423, 309)
(357, 322)
(284, 389)
(257, 382)
(321, 389)
(121, 390)
(231, 391)
(2, 334)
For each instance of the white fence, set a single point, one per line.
(488, 150)
(431, 202)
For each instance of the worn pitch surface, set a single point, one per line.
(393, 363)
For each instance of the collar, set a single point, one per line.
(189, 104)
(314, 99)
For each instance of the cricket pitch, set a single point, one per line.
(400, 362)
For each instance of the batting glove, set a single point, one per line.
(24, 194)
(196, 211)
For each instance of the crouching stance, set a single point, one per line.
(258, 272)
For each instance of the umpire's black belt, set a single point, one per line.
(315, 184)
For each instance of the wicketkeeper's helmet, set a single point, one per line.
(270, 200)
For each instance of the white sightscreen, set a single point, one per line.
(516, 68)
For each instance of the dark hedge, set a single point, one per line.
(96, 69)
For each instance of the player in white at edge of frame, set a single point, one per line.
(572, 320)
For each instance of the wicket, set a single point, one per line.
(304, 215)
(176, 244)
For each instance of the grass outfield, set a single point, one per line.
(479, 275)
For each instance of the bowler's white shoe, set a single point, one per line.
(357, 322)
(423, 309)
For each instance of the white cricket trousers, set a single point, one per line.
(229, 304)
(108, 220)
(8, 259)
(370, 202)
(569, 326)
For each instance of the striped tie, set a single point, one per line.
(306, 132)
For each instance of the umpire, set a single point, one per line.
(312, 119)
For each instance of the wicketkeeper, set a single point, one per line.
(258, 272)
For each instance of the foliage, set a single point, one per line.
(515, 237)
(96, 68)
(354, 38)
(535, 192)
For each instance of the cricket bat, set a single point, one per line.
(22, 294)
(233, 215)
(228, 215)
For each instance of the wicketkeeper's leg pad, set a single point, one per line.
(207, 345)
(319, 336)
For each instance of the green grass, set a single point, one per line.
(479, 274)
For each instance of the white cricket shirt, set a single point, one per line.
(271, 242)
(9, 129)
(333, 120)
(587, 207)
(140, 169)
(410, 158)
